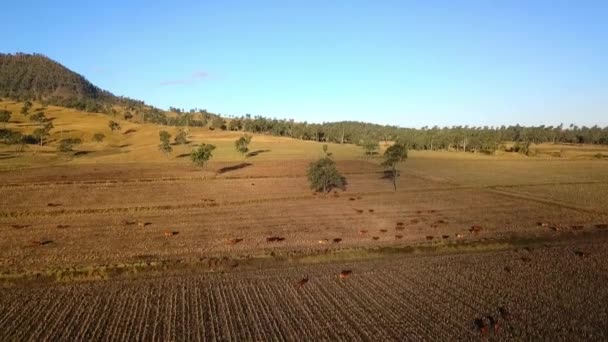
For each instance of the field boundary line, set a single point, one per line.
(544, 201)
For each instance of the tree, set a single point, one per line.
(202, 154)
(325, 148)
(5, 116)
(98, 137)
(40, 134)
(394, 155)
(128, 115)
(165, 145)
(114, 126)
(218, 122)
(38, 117)
(370, 146)
(26, 107)
(323, 175)
(242, 144)
(181, 137)
(66, 145)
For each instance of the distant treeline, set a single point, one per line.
(482, 139)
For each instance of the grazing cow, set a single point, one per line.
(345, 274)
(375, 237)
(445, 236)
(170, 233)
(274, 239)
(383, 230)
(429, 237)
(398, 236)
(504, 313)
(234, 241)
(324, 241)
(359, 211)
(362, 232)
(580, 254)
(301, 282)
(399, 224)
(337, 240)
(475, 229)
(481, 326)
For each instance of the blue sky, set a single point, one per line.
(407, 63)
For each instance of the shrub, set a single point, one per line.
(323, 175)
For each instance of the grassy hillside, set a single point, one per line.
(138, 142)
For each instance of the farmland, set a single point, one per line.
(118, 240)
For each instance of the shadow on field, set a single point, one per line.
(233, 167)
(82, 153)
(182, 155)
(7, 156)
(389, 175)
(255, 153)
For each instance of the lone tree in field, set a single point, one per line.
(324, 176)
(5, 115)
(38, 117)
(394, 155)
(181, 138)
(66, 144)
(242, 144)
(165, 144)
(202, 154)
(114, 126)
(98, 137)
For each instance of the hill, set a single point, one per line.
(35, 77)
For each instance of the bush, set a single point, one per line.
(323, 175)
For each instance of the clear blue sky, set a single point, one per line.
(392, 62)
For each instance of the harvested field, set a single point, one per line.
(557, 295)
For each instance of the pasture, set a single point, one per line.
(183, 248)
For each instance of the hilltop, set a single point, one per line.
(36, 77)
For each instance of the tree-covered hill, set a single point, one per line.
(36, 77)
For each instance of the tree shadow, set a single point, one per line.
(3, 157)
(183, 155)
(129, 131)
(388, 174)
(81, 153)
(233, 167)
(255, 153)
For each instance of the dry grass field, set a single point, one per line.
(117, 235)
